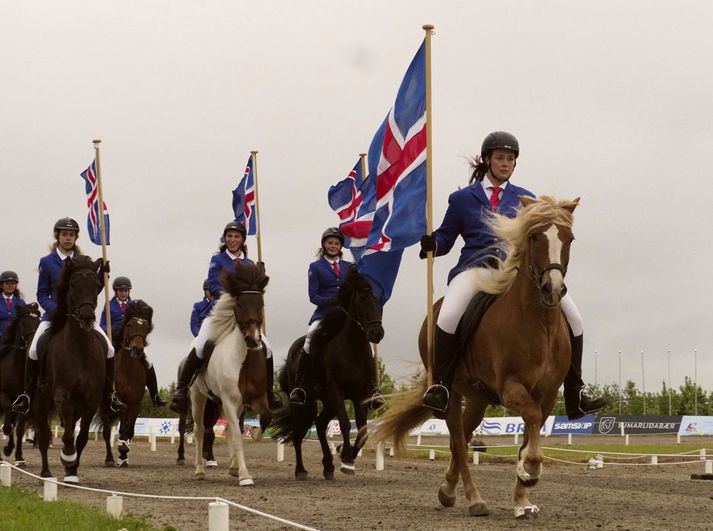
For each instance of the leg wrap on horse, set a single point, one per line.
(22, 403)
(179, 404)
(577, 402)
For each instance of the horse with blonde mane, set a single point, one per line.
(517, 353)
(235, 375)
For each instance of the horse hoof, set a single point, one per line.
(478, 509)
(447, 500)
(20, 464)
(346, 468)
(301, 476)
(72, 480)
(528, 512)
(199, 476)
(246, 482)
(109, 463)
(7, 451)
(211, 464)
(181, 462)
(123, 463)
(235, 472)
(329, 475)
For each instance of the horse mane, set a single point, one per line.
(513, 234)
(135, 308)
(76, 263)
(246, 277)
(11, 332)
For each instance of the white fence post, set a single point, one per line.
(654, 459)
(114, 505)
(6, 474)
(280, 452)
(569, 439)
(218, 516)
(418, 440)
(380, 455)
(56, 431)
(708, 467)
(702, 452)
(626, 440)
(476, 457)
(50, 489)
(517, 438)
(432, 455)
(678, 438)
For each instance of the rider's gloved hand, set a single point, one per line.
(428, 243)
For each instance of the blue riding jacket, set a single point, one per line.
(117, 316)
(201, 310)
(323, 284)
(465, 217)
(220, 262)
(8, 314)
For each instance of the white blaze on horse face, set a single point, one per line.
(555, 255)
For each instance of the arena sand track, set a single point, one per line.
(401, 497)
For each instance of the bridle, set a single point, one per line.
(536, 273)
(73, 307)
(246, 324)
(126, 343)
(363, 325)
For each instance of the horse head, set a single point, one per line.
(23, 327)
(357, 300)
(77, 289)
(247, 286)
(136, 327)
(548, 243)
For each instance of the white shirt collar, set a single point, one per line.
(7, 297)
(331, 260)
(233, 257)
(62, 257)
(488, 186)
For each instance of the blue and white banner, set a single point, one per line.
(691, 425)
(584, 426)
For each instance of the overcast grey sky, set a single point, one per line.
(611, 101)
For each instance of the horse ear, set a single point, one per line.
(571, 205)
(526, 200)
(260, 267)
(263, 283)
(97, 263)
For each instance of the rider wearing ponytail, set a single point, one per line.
(233, 248)
(324, 277)
(66, 233)
(117, 308)
(490, 190)
(11, 299)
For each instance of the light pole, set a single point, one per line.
(668, 353)
(643, 381)
(620, 389)
(695, 382)
(595, 368)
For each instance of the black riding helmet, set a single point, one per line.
(66, 224)
(121, 282)
(499, 140)
(235, 225)
(9, 276)
(333, 232)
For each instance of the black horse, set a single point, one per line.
(13, 352)
(343, 369)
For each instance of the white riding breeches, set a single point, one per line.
(308, 338)
(464, 287)
(44, 326)
(204, 333)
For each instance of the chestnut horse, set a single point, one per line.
(72, 373)
(519, 354)
(236, 373)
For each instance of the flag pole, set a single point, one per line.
(374, 346)
(258, 213)
(103, 237)
(428, 28)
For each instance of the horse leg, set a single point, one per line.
(106, 434)
(347, 465)
(198, 407)
(42, 426)
(19, 434)
(301, 418)
(181, 460)
(71, 475)
(124, 442)
(529, 456)
(68, 453)
(8, 429)
(321, 424)
(210, 417)
(360, 414)
(232, 407)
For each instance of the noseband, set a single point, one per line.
(127, 340)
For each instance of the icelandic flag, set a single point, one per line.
(347, 199)
(397, 157)
(244, 200)
(93, 224)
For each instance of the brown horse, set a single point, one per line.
(72, 372)
(130, 376)
(519, 354)
(13, 353)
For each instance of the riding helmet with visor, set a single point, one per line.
(499, 140)
(10, 276)
(121, 283)
(66, 224)
(235, 225)
(333, 232)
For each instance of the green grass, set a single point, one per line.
(22, 511)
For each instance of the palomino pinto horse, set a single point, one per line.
(72, 373)
(519, 353)
(13, 353)
(129, 376)
(236, 373)
(342, 370)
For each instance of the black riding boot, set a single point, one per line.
(152, 385)
(272, 400)
(22, 403)
(112, 401)
(576, 402)
(179, 404)
(445, 358)
(298, 395)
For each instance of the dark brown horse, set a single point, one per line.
(130, 376)
(72, 372)
(13, 352)
(518, 355)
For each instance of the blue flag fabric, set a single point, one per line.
(346, 198)
(93, 223)
(244, 200)
(397, 157)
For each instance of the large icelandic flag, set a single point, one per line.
(244, 200)
(397, 159)
(349, 199)
(93, 223)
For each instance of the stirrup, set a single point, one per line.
(432, 404)
(116, 405)
(298, 396)
(21, 404)
(376, 401)
(179, 403)
(596, 403)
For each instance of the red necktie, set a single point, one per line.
(335, 266)
(123, 307)
(8, 301)
(495, 197)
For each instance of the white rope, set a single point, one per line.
(164, 497)
(608, 463)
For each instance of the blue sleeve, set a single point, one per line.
(102, 321)
(214, 270)
(195, 321)
(44, 289)
(451, 227)
(314, 289)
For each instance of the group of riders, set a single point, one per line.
(489, 190)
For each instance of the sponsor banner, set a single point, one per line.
(583, 426)
(161, 427)
(509, 426)
(691, 425)
(612, 424)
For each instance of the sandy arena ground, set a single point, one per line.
(403, 496)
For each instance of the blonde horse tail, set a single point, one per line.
(405, 414)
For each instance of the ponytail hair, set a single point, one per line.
(478, 168)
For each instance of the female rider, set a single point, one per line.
(11, 299)
(490, 189)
